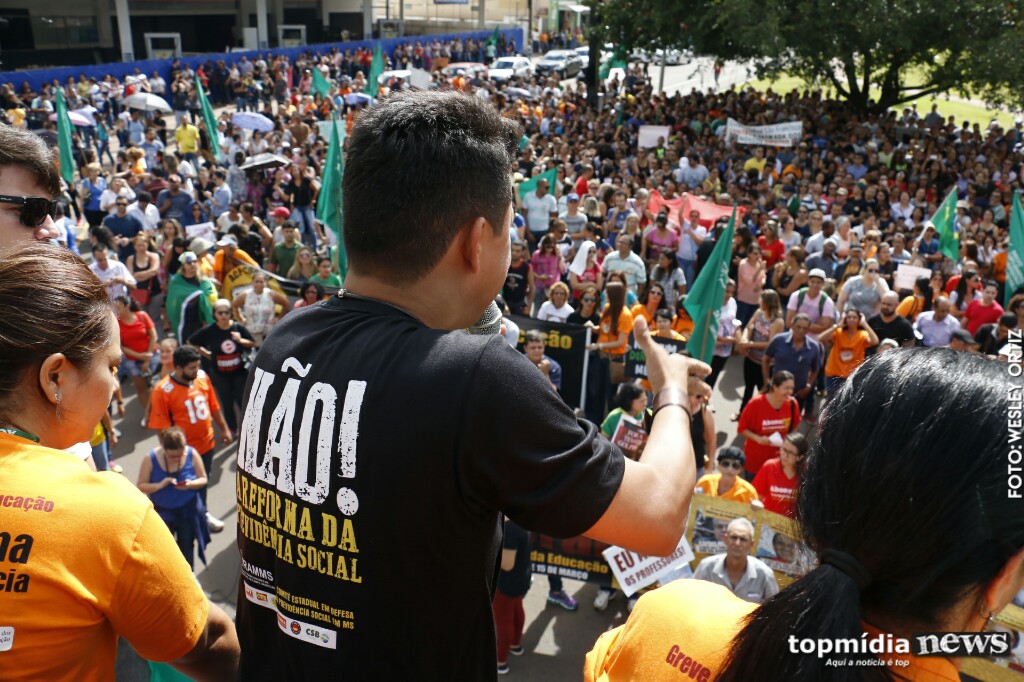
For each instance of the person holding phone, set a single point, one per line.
(172, 477)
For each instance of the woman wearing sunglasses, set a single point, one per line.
(28, 183)
(864, 292)
(727, 482)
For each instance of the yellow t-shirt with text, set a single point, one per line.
(84, 558)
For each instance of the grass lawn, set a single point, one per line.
(947, 107)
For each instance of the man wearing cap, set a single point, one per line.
(228, 257)
(889, 325)
(201, 248)
(174, 201)
(963, 341)
(540, 207)
(826, 260)
(278, 217)
(574, 220)
(936, 326)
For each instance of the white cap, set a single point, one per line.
(816, 272)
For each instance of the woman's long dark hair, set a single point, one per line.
(925, 510)
(923, 286)
(961, 288)
(616, 294)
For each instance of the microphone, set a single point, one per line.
(490, 323)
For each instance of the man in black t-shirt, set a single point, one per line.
(993, 336)
(888, 325)
(375, 459)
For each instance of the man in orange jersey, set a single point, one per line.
(186, 399)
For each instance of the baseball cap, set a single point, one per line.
(816, 272)
(187, 257)
(518, 221)
(280, 212)
(843, 192)
(572, 197)
(965, 336)
(200, 245)
(227, 240)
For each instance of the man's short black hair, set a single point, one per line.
(185, 355)
(419, 167)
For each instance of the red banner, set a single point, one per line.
(681, 207)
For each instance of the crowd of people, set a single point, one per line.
(822, 228)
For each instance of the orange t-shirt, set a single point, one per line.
(848, 352)
(741, 490)
(999, 264)
(88, 560)
(605, 335)
(190, 408)
(641, 309)
(219, 271)
(683, 324)
(682, 631)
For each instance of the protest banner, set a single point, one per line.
(779, 545)
(649, 135)
(566, 344)
(239, 279)
(776, 538)
(777, 135)
(636, 361)
(205, 230)
(633, 571)
(630, 436)
(680, 207)
(906, 275)
(578, 558)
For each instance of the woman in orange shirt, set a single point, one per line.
(610, 347)
(727, 483)
(850, 341)
(653, 298)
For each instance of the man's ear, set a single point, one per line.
(472, 236)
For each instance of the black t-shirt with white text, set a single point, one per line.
(374, 462)
(228, 355)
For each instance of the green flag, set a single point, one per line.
(328, 203)
(209, 120)
(529, 185)
(67, 159)
(320, 84)
(493, 40)
(376, 69)
(1015, 254)
(945, 222)
(707, 296)
(617, 61)
(523, 141)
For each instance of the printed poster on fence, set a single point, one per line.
(636, 571)
(777, 135)
(578, 558)
(779, 546)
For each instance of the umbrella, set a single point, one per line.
(76, 119)
(358, 98)
(252, 121)
(147, 101)
(87, 111)
(264, 160)
(517, 92)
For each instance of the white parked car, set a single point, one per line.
(671, 58)
(506, 68)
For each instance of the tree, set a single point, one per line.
(875, 53)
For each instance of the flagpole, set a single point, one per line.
(704, 340)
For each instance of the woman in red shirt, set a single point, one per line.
(138, 343)
(774, 413)
(777, 481)
(773, 248)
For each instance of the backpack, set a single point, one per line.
(802, 294)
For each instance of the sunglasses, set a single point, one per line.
(729, 464)
(34, 210)
(222, 312)
(589, 299)
(872, 269)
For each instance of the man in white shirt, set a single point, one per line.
(145, 212)
(114, 275)
(692, 235)
(624, 260)
(937, 326)
(540, 207)
(574, 220)
(745, 576)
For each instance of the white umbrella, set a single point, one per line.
(76, 119)
(517, 92)
(263, 161)
(354, 98)
(147, 101)
(252, 121)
